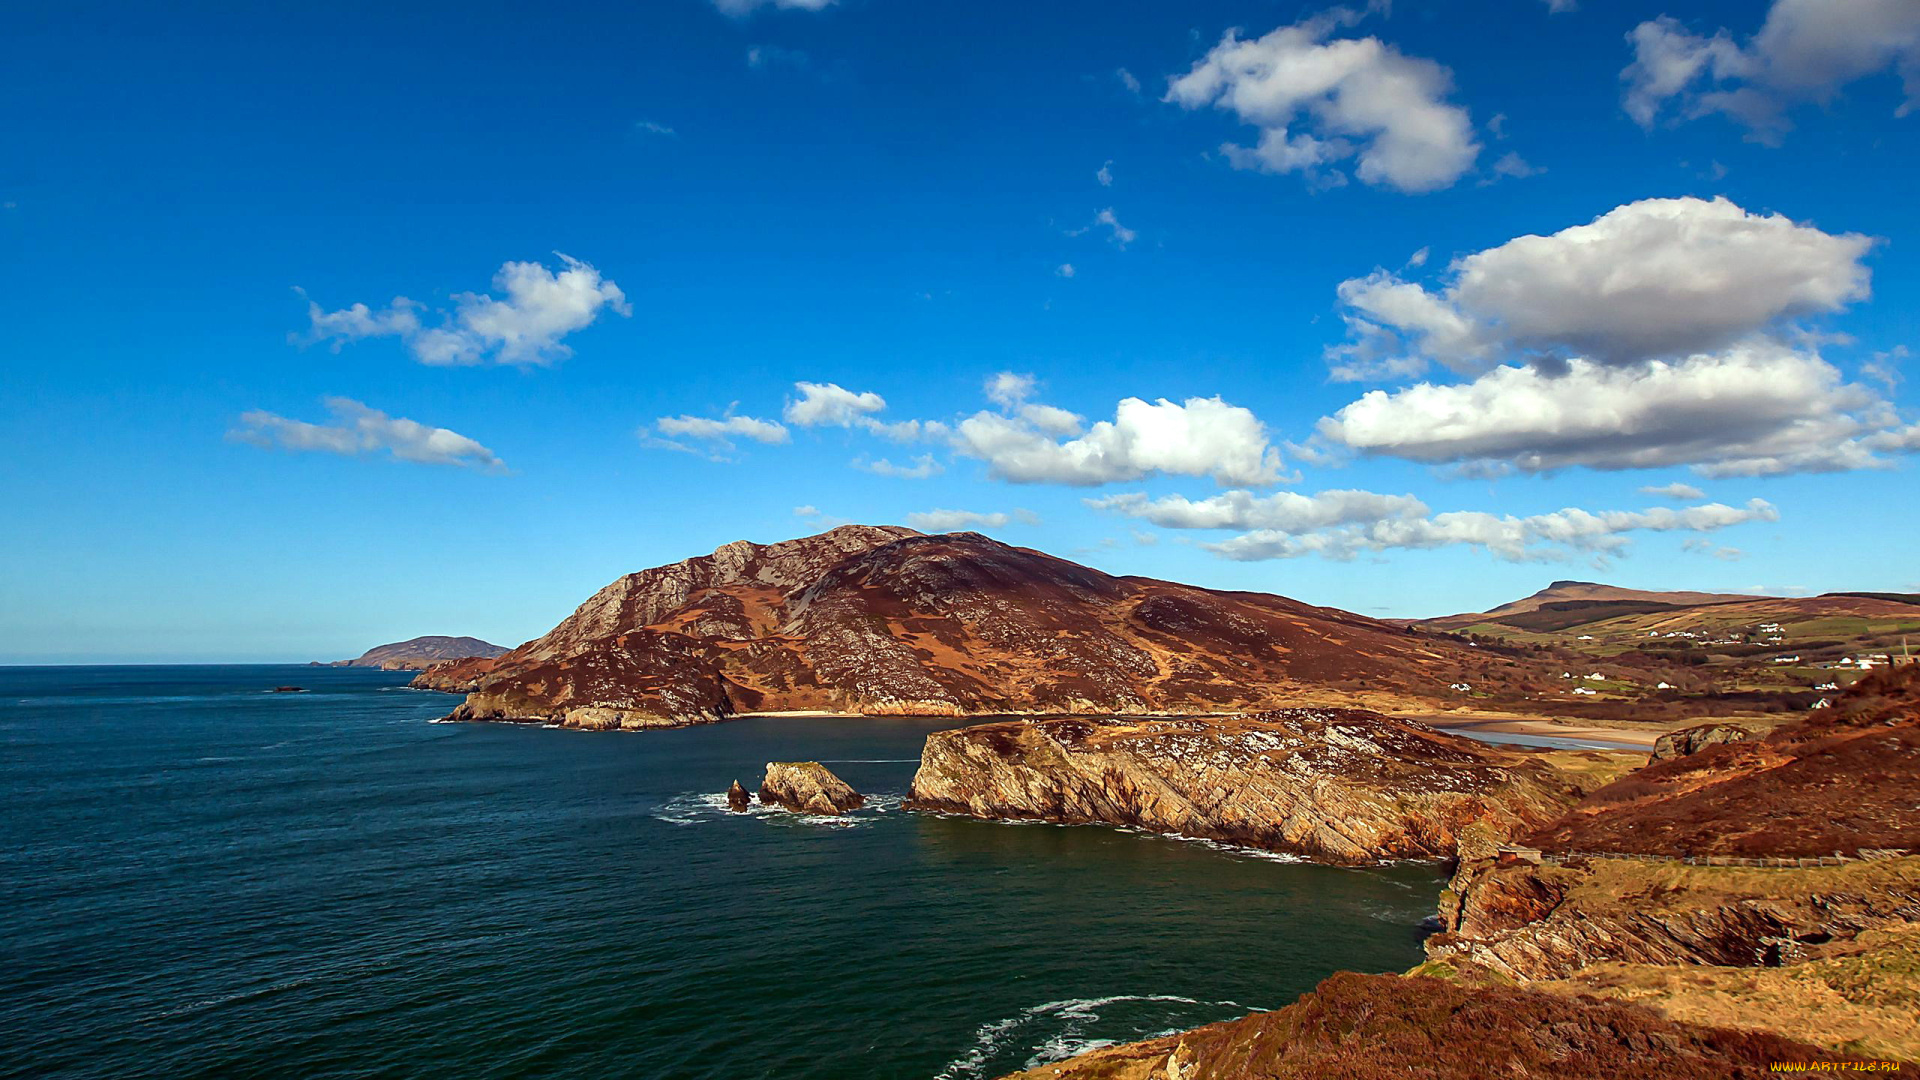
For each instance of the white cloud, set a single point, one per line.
(923, 467)
(741, 8)
(1105, 175)
(1513, 165)
(1008, 389)
(830, 404)
(806, 511)
(1065, 270)
(1346, 524)
(766, 56)
(939, 521)
(1807, 50)
(1560, 7)
(1118, 233)
(1676, 491)
(1285, 511)
(653, 127)
(1651, 279)
(723, 429)
(1319, 100)
(1127, 80)
(1202, 437)
(540, 307)
(357, 429)
(1753, 410)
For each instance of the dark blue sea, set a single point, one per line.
(199, 878)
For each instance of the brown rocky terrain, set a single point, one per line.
(1356, 1026)
(807, 787)
(1593, 595)
(1844, 779)
(418, 654)
(885, 620)
(1525, 922)
(1339, 785)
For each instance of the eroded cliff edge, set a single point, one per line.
(1336, 785)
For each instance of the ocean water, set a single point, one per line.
(200, 878)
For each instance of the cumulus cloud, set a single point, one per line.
(1200, 437)
(1650, 279)
(1319, 100)
(1008, 389)
(358, 430)
(1676, 491)
(1105, 175)
(1807, 50)
(1065, 270)
(939, 521)
(1751, 411)
(540, 306)
(830, 404)
(1347, 524)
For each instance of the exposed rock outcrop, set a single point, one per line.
(807, 787)
(1692, 740)
(738, 798)
(1386, 1026)
(884, 620)
(1338, 785)
(1547, 922)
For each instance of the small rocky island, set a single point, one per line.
(421, 653)
(806, 787)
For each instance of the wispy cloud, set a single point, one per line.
(357, 431)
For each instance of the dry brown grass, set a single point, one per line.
(1862, 999)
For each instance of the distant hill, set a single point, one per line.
(885, 620)
(418, 654)
(1602, 601)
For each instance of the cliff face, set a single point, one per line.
(885, 620)
(1381, 1025)
(417, 654)
(808, 787)
(1548, 922)
(1338, 785)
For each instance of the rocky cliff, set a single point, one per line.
(418, 654)
(1339, 785)
(1526, 922)
(1385, 1026)
(885, 620)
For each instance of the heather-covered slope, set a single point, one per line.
(1846, 778)
(1354, 1026)
(885, 620)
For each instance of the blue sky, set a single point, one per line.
(1303, 227)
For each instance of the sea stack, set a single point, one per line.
(807, 787)
(737, 797)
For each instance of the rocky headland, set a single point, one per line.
(421, 653)
(884, 620)
(1337, 785)
(1750, 902)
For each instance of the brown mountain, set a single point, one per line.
(1596, 599)
(418, 654)
(886, 620)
